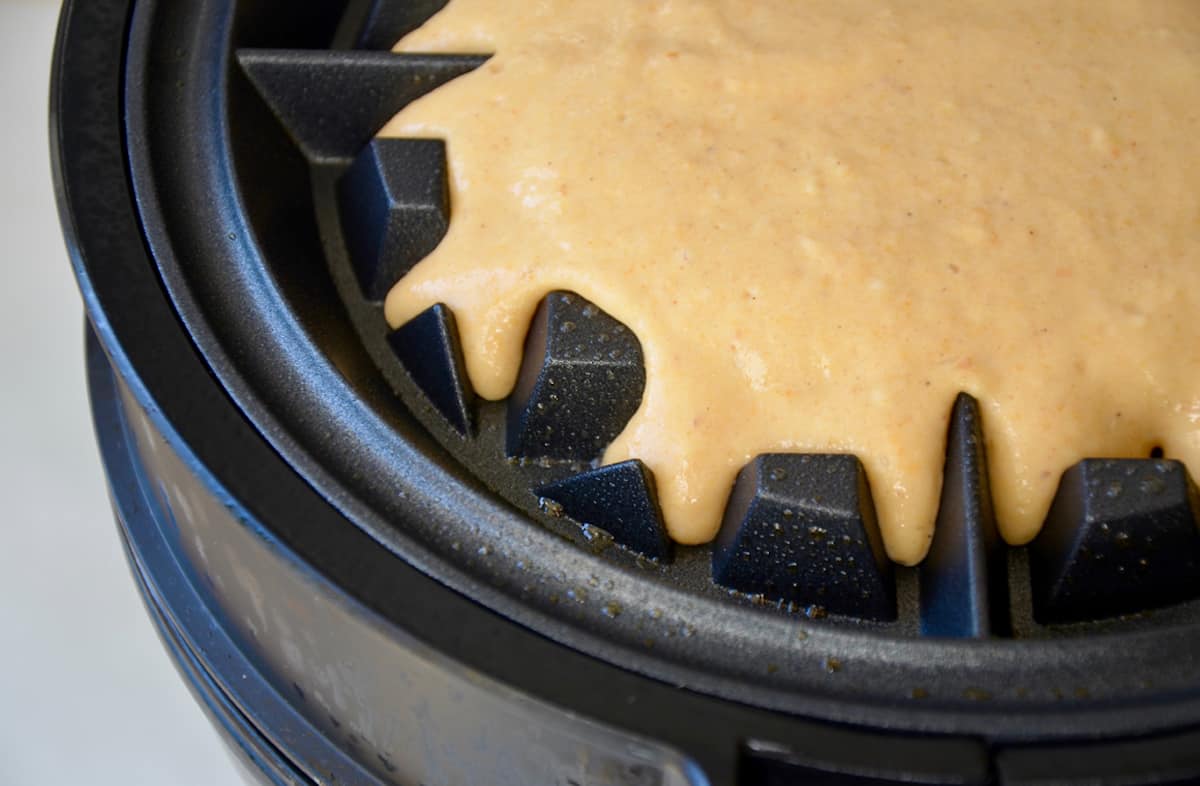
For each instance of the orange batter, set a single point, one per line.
(825, 219)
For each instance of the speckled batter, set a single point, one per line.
(825, 219)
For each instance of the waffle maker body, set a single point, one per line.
(366, 575)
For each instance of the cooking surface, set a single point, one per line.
(89, 694)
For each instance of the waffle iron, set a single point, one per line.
(369, 575)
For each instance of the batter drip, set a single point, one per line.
(825, 219)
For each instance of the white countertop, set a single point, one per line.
(87, 693)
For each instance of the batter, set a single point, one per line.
(825, 219)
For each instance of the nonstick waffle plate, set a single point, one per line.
(800, 531)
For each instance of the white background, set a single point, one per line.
(87, 694)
